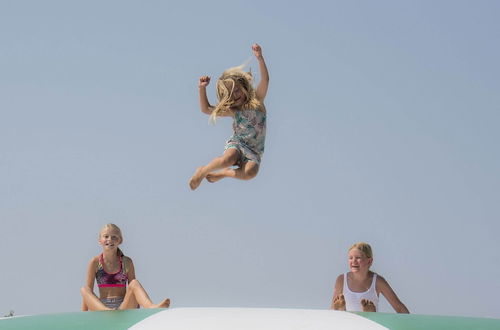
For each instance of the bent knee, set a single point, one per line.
(230, 160)
(134, 283)
(230, 157)
(84, 290)
(251, 172)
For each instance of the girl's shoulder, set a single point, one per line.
(381, 282)
(127, 259)
(127, 263)
(339, 284)
(340, 279)
(95, 261)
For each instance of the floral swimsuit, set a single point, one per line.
(249, 135)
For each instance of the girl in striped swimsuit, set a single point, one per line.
(112, 270)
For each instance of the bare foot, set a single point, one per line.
(215, 176)
(196, 179)
(339, 303)
(163, 304)
(368, 306)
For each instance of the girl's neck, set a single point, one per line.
(110, 254)
(360, 276)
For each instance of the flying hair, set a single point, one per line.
(225, 87)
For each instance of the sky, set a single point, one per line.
(382, 127)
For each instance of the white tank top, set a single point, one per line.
(353, 299)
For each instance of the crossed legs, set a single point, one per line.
(135, 296)
(219, 168)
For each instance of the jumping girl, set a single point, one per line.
(112, 270)
(237, 99)
(359, 289)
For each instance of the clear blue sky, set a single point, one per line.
(383, 126)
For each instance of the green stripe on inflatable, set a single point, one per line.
(431, 322)
(109, 320)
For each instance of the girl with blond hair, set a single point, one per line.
(237, 99)
(359, 289)
(112, 271)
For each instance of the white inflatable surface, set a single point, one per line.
(254, 318)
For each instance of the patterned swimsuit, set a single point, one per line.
(104, 279)
(249, 135)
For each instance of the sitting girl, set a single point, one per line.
(359, 289)
(112, 270)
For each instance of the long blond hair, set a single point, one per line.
(231, 77)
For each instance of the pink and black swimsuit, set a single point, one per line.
(104, 279)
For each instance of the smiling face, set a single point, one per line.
(110, 238)
(238, 95)
(358, 261)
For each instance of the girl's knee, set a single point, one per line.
(230, 157)
(133, 284)
(251, 171)
(84, 290)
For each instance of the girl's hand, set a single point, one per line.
(204, 81)
(257, 51)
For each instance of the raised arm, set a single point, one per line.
(204, 104)
(261, 90)
(391, 296)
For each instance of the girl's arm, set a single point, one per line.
(91, 269)
(338, 290)
(204, 104)
(130, 270)
(391, 296)
(261, 90)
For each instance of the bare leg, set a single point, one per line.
(246, 172)
(137, 296)
(229, 158)
(339, 303)
(91, 301)
(368, 306)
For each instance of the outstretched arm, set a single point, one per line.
(391, 296)
(204, 104)
(261, 90)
